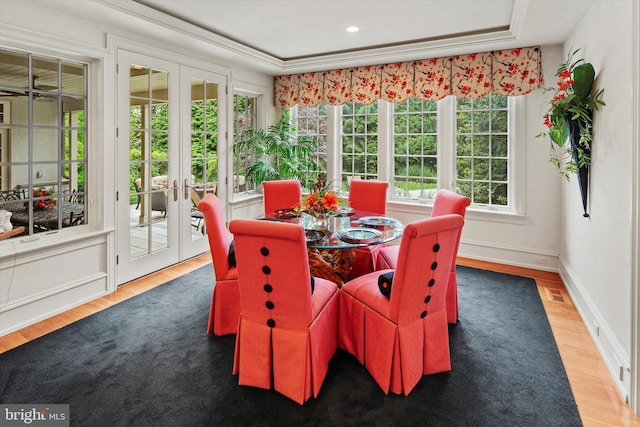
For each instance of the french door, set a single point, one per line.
(168, 129)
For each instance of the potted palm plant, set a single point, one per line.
(569, 120)
(279, 152)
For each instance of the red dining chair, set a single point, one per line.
(280, 194)
(403, 336)
(367, 197)
(288, 325)
(225, 300)
(446, 202)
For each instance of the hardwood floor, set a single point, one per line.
(597, 397)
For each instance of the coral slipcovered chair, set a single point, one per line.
(446, 202)
(225, 300)
(401, 337)
(281, 194)
(287, 332)
(367, 197)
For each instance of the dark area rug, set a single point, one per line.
(149, 362)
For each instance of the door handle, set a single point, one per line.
(187, 191)
(175, 190)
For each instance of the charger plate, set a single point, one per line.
(360, 235)
(375, 221)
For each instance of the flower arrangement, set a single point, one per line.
(320, 200)
(570, 116)
(43, 203)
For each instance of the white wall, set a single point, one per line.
(596, 253)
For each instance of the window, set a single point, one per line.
(482, 149)
(312, 121)
(245, 118)
(415, 149)
(359, 142)
(420, 146)
(43, 146)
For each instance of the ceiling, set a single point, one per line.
(292, 36)
(303, 34)
(294, 29)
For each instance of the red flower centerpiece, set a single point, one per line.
(320, 201)
(43, 203)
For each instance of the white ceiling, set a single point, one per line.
(289, 36)
(290, 29)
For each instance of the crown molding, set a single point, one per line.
(220, 45)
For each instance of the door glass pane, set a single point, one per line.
(204, 148)
(148, 146)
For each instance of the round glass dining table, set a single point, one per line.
(332, 242)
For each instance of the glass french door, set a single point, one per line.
(203, 139)
(168, 130)
(147, 177)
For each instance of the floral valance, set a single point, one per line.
(507, 72)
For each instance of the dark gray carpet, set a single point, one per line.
(149, 362)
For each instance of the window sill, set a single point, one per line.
(472, 213)
(44, 241)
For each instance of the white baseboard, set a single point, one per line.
(609, 348)
(509, 255)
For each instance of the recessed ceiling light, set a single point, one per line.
(353, 29)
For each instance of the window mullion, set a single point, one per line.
(385, 143)
(447, 143)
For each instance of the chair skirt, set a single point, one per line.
(294, 361)
(396, 356)
(225, 307)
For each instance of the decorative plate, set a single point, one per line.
(286, 213)
(359, 235)
(313, 236)
(375, 221)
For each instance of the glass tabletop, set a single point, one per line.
(351, 231)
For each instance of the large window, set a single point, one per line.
(43, 141)
(420, 146)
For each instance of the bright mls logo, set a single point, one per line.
(34, 415)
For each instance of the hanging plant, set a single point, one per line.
(572, 107)
(569, 121)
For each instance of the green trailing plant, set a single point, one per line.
(279, 152)
(572, 106)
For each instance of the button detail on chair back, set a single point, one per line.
(287, 334)
(446, 202)
(404, 336)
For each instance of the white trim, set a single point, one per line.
(517, 165)
(634, 388)
(608, 346)
(407, 52)
(167, 22)
(518, 17)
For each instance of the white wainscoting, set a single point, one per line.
(39, 282)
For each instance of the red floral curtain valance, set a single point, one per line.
(507, 72)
